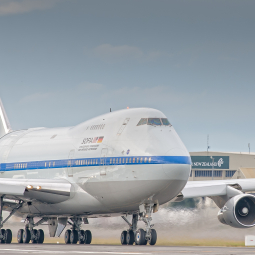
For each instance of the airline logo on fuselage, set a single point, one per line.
(98, 139)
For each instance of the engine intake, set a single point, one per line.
(239, 211)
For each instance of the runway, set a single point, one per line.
(12, 249)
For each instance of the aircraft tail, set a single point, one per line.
(5, 126)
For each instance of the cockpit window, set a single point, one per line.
(165, 122)
(154, 121)
(142, 122)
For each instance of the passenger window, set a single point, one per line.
(113, 161)
(149, 160)
(130, 160)
(154, 121)
(133, 160)
(126, 160)
(145, 160)
(142, 121)
(141, 160)
(123, 161)
(110, 160)
(96, 161)
(116, 160)
(165, 122)
(137, 160)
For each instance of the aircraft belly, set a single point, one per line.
(125, 189)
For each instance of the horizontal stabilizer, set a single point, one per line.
(4, 122)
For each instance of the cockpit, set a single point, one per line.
(154, 122)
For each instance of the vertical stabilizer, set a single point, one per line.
(4, 122)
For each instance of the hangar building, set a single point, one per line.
(222, 165)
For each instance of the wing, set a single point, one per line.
(43, 190)
(216, 188)
(219, 191)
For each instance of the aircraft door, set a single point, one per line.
(69, 163)
(104, 153)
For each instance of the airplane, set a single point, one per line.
(123, 163)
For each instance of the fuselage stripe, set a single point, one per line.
(99, 161)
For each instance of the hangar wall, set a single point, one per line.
(222, 165)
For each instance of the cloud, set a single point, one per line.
(10, 7)
(116, 53)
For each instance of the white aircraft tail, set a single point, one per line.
(5, 126)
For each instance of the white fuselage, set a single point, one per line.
(112, 163)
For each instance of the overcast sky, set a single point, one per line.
(65, 61)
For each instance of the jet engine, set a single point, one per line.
(238, 212)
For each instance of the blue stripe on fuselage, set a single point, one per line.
(87, 162)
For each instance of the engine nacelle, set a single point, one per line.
(238, 212)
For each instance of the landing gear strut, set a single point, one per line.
(76, 234)
(140, 236)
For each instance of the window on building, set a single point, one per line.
(230, 173)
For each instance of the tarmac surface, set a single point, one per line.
(11, 249)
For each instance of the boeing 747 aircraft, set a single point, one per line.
(127, 162)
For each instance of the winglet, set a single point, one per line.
(5, 126)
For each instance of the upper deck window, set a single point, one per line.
(142, 121)
(166, 122)
(154, 121)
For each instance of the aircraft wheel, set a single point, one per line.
(140, 237)
(82, 237)
(88, 237)
(130, 239)
(74, 236)
(67, 236)
(20, 236)
(123, 237)
(8, 236)
(40, 236)
(153, 239)
(26, 236)
(33, 236)
(2, 240)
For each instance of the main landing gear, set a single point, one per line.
(76, 234)
(29, 233)
(6, 234)
(140, 236)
